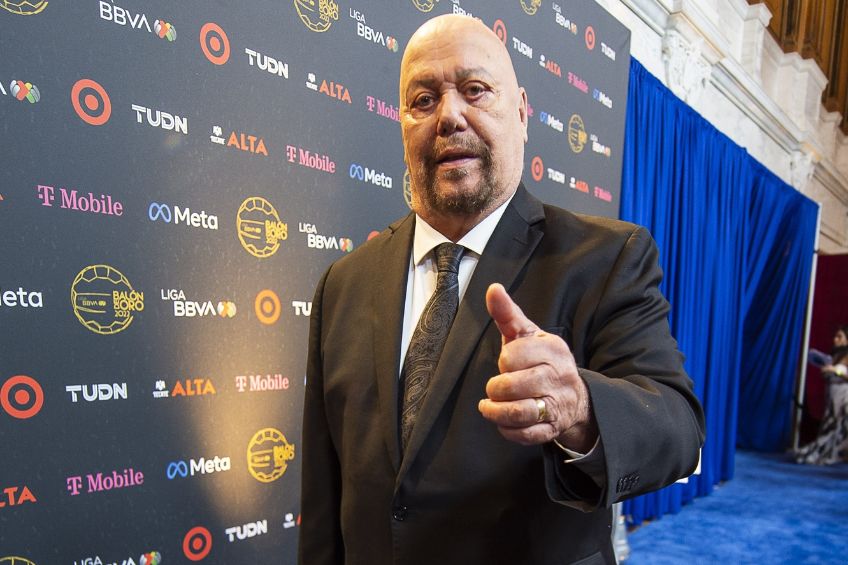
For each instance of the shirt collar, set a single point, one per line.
(427, 237)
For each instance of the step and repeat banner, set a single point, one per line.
(176, 176)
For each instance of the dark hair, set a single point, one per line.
(838, 353)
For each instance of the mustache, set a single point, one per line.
(471, 145)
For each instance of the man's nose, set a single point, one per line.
(451, 110)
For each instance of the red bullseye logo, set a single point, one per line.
(537, 168)
(197, 543)
(91, 102)
(590, 37)
(21, 396)
(500, 30)
(267, 307)
(215, 44)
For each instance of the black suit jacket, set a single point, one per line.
(462, 493)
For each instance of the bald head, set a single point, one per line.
(463, 121)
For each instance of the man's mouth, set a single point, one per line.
(455, 157)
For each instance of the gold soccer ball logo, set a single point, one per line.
(530, 6)
(103, 299)
(23, 7)
(424, 5)
(317, 14)
(259, 227)
(268, 454)
(577, 136)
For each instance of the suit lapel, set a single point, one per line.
(507, 252)
(387, 306)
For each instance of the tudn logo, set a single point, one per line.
(21, 397)
(424, 5)
(268, 454)
(91, 102)
(317, 20)
(23, 8)
(103, 299)
(530, 6)
(214, 43)
(259, 228)
(25, 91)
(164, 30)
(197, 543)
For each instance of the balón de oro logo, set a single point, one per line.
(103, 299)
(23, 8)
(317, 15)
(259, 228)
(268, 454)
(530, 6)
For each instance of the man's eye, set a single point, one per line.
(423, 101)
(475, 90)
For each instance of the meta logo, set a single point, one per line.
(306, 158)
(124, 17)
(262, 383)
(304, 308)
(22, 298)
(159, 119)
(522, 47)
(550, 66)
(599, 147)
(202, 466)
(214, 43)
(530, 6)
(551, 121)
(537, 168)
(268, 454)
(602, 194)
(562, 21)
(23, 91)
(22, 8)
(21, 397)
(246, 531)
(314, 240)
(578, 184)
(578, 83)
(91, 393)
(259, 227)
(266, 63)
(99, 482)
(577, 136)
(91, 102)
(602, 98)
(365, 174)
(197, 543)
(185, 216)
(267, 307)
(332, 89)
(197, 309)
(161, 390)
(382, 108)
(317, 15)
(370, 34)
(15, 496)
(71, 200)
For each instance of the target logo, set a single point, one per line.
(537, 168)
(500, 30)
(197, 543)
(590, 37)
(91, 102)
(214, 43)
(21, 397)
(267, 307)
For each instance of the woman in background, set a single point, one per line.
(831, 445)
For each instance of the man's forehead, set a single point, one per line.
(427, 76)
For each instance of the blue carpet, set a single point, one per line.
(773, 511)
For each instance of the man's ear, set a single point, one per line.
(522, 109)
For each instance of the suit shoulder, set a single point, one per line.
(585, 227)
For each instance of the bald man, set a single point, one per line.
(502, 431)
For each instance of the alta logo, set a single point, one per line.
(21, 397)
(303, 307)
(159, 119)
(71, 200)
(91, 102)
(382, 108)
(259, 228)
(550, 65)
(202, 466)
(577, 136)
(193, 387)
(15, 496)
(268, 454)
(91, 393)
(22, 91)
(306, 158)
(370, 34)
(332, 89)
(98, 482)
(103, 299)
(197, 543)
(562, 21)
(317, 15)
(261, 383)
(365, 174)
(578, 184)
(214, 43)
(185, 216)
(314, 240)
(21, 297)
(266, 63)
(530, 7)
(249, 530)
(551, 121)
(244, 141)
(197, 309)
(124, 17)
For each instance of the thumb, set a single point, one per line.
(509, 318)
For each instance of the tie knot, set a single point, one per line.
(448, 256)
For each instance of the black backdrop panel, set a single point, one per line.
(175, 178)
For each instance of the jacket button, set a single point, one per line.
(399, 513)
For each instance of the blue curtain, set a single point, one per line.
(736, 247)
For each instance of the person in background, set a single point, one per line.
(831, 444)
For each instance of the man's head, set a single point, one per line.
(463, 121)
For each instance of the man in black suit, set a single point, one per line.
(558, 389)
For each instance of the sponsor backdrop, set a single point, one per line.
(175, 178)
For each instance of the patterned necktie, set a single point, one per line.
(429, 337)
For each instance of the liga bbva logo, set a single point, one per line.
(103, 299)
